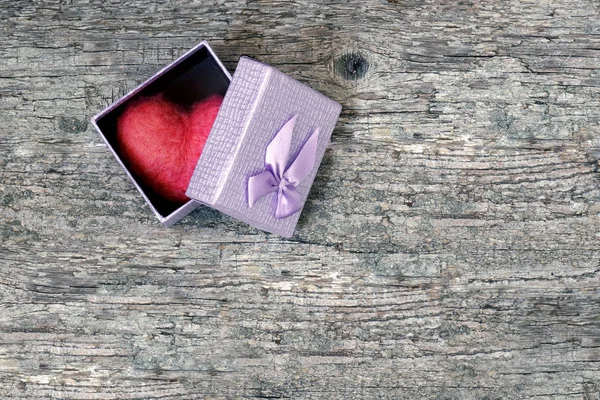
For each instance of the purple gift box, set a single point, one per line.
(265, 147)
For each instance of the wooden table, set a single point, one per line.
(450, 248)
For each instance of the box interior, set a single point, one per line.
(191, 80)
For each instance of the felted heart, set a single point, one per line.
(161, 142)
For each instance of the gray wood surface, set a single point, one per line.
(450, 248)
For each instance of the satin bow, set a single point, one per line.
(276, 178)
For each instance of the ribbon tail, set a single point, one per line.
(288, 202)
(260, 185)
(305, 160)
(278, 151)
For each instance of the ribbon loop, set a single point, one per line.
(261, 185)
(288, 202)
(305, 160)
(278, 151)
(275, 178)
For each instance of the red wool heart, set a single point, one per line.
(161, 142)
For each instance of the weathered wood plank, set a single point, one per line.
(450, 247)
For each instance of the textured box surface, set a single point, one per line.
(258, 103)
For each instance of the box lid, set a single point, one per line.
(264, 149)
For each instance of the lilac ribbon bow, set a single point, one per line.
(284, 181)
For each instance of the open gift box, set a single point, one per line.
(263, 151)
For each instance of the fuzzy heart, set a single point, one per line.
(161, 142)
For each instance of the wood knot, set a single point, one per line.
(351, 66)
(72, 125)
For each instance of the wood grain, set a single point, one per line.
(450, 248)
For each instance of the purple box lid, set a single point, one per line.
(261, 105)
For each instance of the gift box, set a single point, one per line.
(263, 151)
